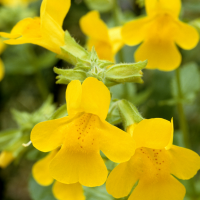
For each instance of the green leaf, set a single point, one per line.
(128, 91)
(97, 193)
(8, 136)
(196, 24)
(100, 5)
(39, 192)
(190, 82)
(60, 112)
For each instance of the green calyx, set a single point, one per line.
(87, 64)
(129, 113)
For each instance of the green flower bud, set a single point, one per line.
(66, 76)
(72, 50)
(121, 73)
(129, 113)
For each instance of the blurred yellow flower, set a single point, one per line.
(82, 135)
(107, 42)
(6, 158)
(14, 3)
(160, 31)
(61, 191)
(154, 163)
(2, 46)
(46, 30)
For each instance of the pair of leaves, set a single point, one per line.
(190, 85)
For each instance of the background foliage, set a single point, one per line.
(30, 79)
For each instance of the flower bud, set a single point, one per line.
(129, 113)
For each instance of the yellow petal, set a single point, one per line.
(184, 162)
(49, 135)
(153, 133)
(19, 28)
(130, 129)
(68, 191)
(73, 97)
(187, 36)
(94, 27)
(49, 36)
(2, 45)
(41, 171)
(71, 167)
(95, 97)
(57, 10)
(52, 33)
(116, 39)
(172, 136)
(122, 179)
(103, 49)
(1, 70)
(161, 54)
(155, 6)
(134, 32)
(6, 158)
(116, 144)
(158, 189)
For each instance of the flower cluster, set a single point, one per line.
(79, 142)
(146, 152)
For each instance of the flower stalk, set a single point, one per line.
(183, 124)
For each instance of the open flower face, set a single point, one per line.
(153, 165)
(61, 191)
(82, 135)
(46, 30)
(2, 45)
(107, 42)
(160, 31)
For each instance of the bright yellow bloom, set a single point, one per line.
(154, 163)
(2, 46)
(46, 30)
(6, 158)
(107, 42)
(14, 3)
(82, 135)
(61, 191)
(160, 31)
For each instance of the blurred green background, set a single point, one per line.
(29, 79)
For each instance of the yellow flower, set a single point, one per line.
(6, 158)
(107, 42)
(160, 31)
(82, 135)
(46, 30)
(154, 164)
(14, 3)
(2, 46)
(61, 191)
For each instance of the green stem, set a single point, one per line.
(41, 84)
(116, 11)
(182, 118)
(184, 125)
